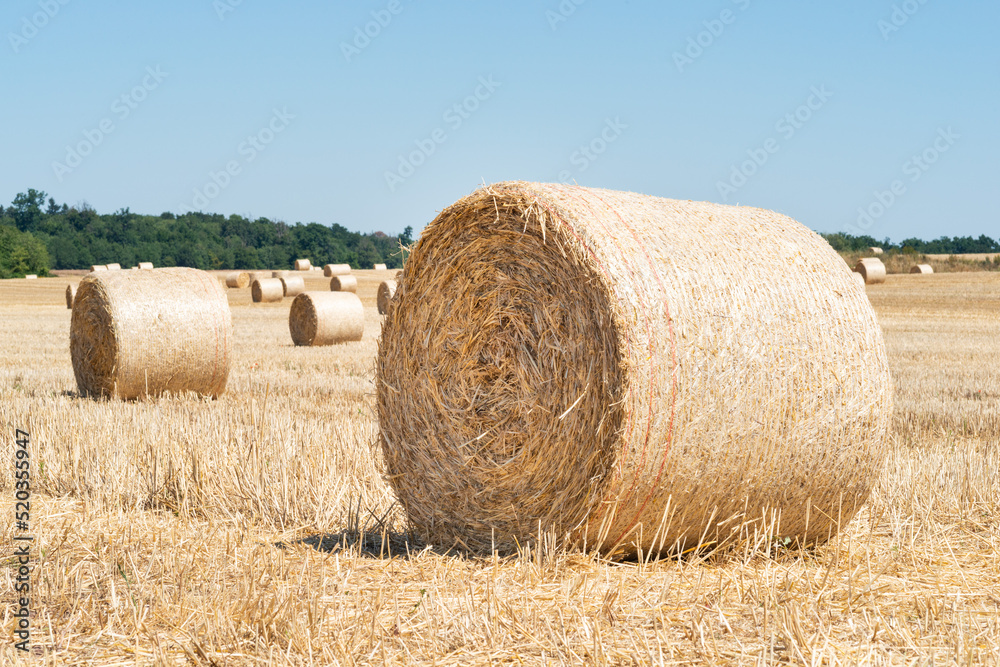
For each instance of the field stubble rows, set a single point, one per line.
(256, 528)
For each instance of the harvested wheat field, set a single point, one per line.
(256, 528)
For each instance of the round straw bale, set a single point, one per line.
(31, 276)
(114, 267)
(302, 265)
(380, 267)
(266, 290)
(579, 360)
(386, 290)
(875, 250)
(139, 333)
(344, 284)
(326, 318)
(858, 278)
(145, 266)
(922, 268)
(331, 270)
(259, 275)
(70, 295)
(293, 285)
(98, 267)
(280, 274)
(871, 269)
(238, 280)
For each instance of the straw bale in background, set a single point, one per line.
(326, 318)
(344, 284)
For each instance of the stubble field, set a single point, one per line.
(256, 529)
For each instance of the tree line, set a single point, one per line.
(38, 235)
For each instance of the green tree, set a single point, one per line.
(27, 209)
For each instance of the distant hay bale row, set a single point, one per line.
(922, 268)
(144, 333)
(380, 267)
(266, 290)
(344, 284)
(293, 286)
(326, 318)
(871, 269)
(579, 360)
(386, 290)
(238, 280)
(331, 270)
(303, 265)
(70, 295)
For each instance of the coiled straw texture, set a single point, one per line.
(326, 318)
(624, 371)
(144, 333)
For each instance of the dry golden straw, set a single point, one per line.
(70, 295)
(922, 268)
(582, 361)
(238, 280)
(302, 265)
(386, 290)
(98, 267)
(145, 266)
(144, 333)
(266, 290)
(293, 286)
(31, 276)
(871, 269)
(874, 250)
(344, 284)
(331, 270)
(259, 275)
(380, 267)
(326, 318)
(858, 278)
(114, 267)
(280, 274)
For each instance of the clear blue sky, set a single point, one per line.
(657, 115)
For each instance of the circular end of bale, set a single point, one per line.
(344, 284)
(574, 360)
(326, 318)
(267, 290)
(238, 280)
(871, 269)
(922, 268)
(145, 266)
(145, 333)
(386, 290)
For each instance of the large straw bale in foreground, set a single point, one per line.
(293, 285)
(326, 318)
(238, 280)
(386, 290)
(70, 295)
(625, 370)
(138, 333)
(331, 270)
(922, 268)
(266, 290)
(871, 269)
(344, 284)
